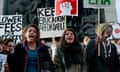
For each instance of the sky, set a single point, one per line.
(118, 10)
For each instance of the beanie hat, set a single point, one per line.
(103, 27)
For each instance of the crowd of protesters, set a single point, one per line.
(66, 55)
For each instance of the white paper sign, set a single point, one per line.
(11, 27)
(49, 24)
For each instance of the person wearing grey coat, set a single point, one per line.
(69, 56)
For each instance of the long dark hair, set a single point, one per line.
(73, 52)
(75, 46)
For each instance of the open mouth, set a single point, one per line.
(69, 38)
(31, 37)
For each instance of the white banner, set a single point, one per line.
(99, 3)
(49, 24)
(11, 27)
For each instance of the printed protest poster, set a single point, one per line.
(3, 59)
(116, 31)
(49, 24)
(10, 27)
(66, 7)
(99, 3)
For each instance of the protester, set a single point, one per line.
(9, 43)
(108, 60)
(31, 55)
(3, 58)
(69, 56)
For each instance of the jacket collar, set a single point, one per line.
(39, 44)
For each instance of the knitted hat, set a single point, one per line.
(102, 28)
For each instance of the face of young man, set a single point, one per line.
(10, 46)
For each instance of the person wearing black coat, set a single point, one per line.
(107, 61)
(31, 55)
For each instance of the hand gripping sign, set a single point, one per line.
(66, 7)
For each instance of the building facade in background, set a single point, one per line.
(83, 24)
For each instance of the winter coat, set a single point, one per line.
(98, 63)
(43, 59)
(61, 65)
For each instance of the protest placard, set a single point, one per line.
(99, 3)
(49, 24)
(10, 27)
(66, 7)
